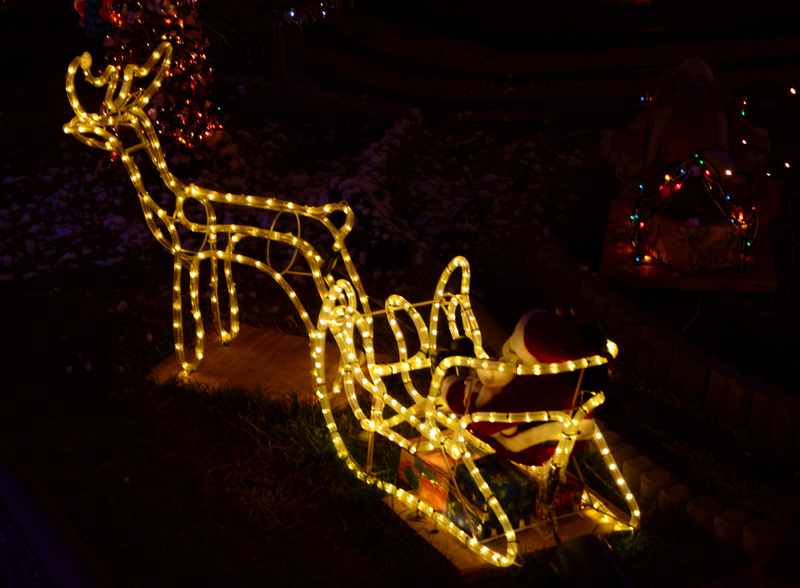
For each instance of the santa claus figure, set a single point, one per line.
(539, 337)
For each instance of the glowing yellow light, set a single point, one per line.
(345, 309)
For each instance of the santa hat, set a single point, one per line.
(541, 336)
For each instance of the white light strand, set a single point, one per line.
(345, 315)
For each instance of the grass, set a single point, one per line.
(166, 485)
(170, 486)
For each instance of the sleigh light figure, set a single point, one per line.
(439, 419)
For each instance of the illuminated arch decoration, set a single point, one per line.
(345, 316)
(743, 218)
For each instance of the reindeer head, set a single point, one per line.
(119, 108)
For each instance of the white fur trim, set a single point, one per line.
(485, 394)
(516, 343)
(495, 379)
(540, 434)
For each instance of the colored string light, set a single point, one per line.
(648, 204)
(185, 114)
(746, 225)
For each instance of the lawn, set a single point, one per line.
(169, 485)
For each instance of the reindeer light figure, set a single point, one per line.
(345, 316)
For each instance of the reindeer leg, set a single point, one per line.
(233, 303)
(214, 283)
(177, 315)
(194, 280)
(226, 334)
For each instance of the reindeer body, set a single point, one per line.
(345, 313)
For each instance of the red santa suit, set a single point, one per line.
(539, 337)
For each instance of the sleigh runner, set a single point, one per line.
(423, 399)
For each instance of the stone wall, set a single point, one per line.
(751, 411)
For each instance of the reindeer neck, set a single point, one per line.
(148, 141)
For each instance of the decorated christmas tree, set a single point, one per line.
(134, 28)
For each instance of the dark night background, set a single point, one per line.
(471, 128)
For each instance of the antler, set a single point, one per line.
(142, 97)
(110, 78)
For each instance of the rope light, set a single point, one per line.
(345, 313)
